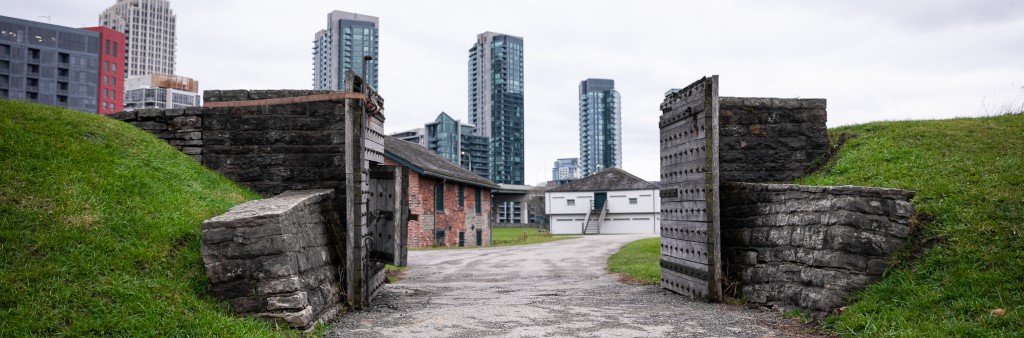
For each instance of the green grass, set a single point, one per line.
(100, 231)
(969, 175)
(394, 273)
(517, 236)
(639, 261)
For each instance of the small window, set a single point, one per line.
(462, 196)
(632, 200)
(477, 204)
(439, 197)
(570, 202)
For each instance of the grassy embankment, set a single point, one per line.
(968, 260)
(100, 231)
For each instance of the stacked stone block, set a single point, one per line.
(273, 148)
(277, 258)
(809, 247)
(181, 128)
(770, 139)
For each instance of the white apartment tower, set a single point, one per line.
(148, 26)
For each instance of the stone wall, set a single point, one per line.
(277, 258)
(273, 148)
(181, 128)
(809, 247)
(284, 144)
(770, 139)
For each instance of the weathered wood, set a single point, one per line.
(689, 204)
(402, 221)
(714, 231)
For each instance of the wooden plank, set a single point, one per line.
(714, 232)
(402, 221)
(684, 230)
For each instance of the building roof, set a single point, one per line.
(611, 179)
(427, 163)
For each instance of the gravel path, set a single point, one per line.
(551, 289)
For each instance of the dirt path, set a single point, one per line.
(553, 289)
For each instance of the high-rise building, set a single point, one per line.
(454, 141)
(149, 26)
(111, 72)
(565, 170)
(61, 66)
(496, 102)
(349, 38)
(600, 126)
(163, 91)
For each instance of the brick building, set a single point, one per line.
(448, 205)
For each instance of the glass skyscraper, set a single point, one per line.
(496, 102)
(600, 126)
(348, 38)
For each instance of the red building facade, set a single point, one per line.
(110, 95)
(448, 205)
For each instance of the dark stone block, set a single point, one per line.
(269, 267)
(186, 123)
(149, 113)
(280, 285)
(224, 270)
(146, 125)
(217, 235)
(295, 300)
(234, 289)
(225, 95)
(249, 304)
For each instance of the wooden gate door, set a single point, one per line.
(690, 249)
(387, 224)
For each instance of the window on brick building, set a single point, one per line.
(439, 197)
(476, 203)
(462, 196)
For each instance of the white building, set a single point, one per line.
(610, 202)
(161, 91)
(149, 30)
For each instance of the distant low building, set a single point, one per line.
(565, 170)
(609, 202)
(162, 91)
(448, 205)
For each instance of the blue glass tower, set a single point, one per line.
(600, 126)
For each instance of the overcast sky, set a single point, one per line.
(872, 60)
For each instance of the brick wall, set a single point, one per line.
(424, 220)
(809, 247)
(276, 258)
(770, 139)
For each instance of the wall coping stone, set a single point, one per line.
(897, 194)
